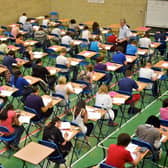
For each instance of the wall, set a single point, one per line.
(11, 9)
(108, 13)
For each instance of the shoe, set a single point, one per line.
(113, 124)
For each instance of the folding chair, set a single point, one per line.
(105, 165)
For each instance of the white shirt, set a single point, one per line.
(103, 100)
(22, 19)
(66, 40)
(148, 74)
(56, 31)
(45, 22)
(124, 32)
(86, 34)
(145, 42)
(61, 60)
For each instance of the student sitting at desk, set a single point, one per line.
(86, 33)
(27, 26)
(19, 39)
(104, 100)
(81, 118)
(96, 28)
(118, 156)
(56, 30)
(149, 132)
(35, 101)
(9, 60)
(148, 73)
(127, 84)
(164, 110)
(15, 30)
(132, 48)
(52, 133)
(23, 18)
(145, 42)
(4, 46)
(9, 119)
(45, 21)
(99, 65)
(67, 39)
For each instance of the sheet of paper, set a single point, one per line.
(132, 148)
(86, 54)
(73, 63)
(6, 93)
(52, 71)
(90, 109)
(165, 64)
(93, 115)
(46, 101)
(24, 119)
(141, 52)
(112, 68)
(66, 132)
(118, 100)
(129, 59)
(162, 138)
(29, 81)
(65, 125)
(78, 90)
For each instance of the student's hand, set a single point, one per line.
(66, 135)
(50, 105)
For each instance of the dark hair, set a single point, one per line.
(123, 139)
(11, 53)
(4, 112)
(72, 21)
(19, 35)
(95, 26)
(53, 122)
(119, 48)
(128, 73)
(24, 14)
(165, 103)
(16, 76)
(85, 27)
(99, 59)
(38, 61)
(81, 104)
(153, 120)
(46, 16)
(34, 89)
(146, 35)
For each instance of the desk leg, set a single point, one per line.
(27, 134)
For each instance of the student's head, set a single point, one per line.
(19, 36)
(146, 35)
(11, 53)
(46, 16)
(4, 111)
(165, 103)
(29, 48)
(149, 64)
(35, 90)
(24, 14)
(89, 68)
(153, 120)
(17, 73)
(103, 89)
(40, 28)
(28, 19)
(55, 122)
(68, 33)
(85, 27)
(100, 59)
(62, 80)
(122, 22)
(38, 62)
(134, 42)
(128, 73)
(95, 25)
(123, 139)
(80, 105)
(63, 51)
(73, 21)
(119, 49)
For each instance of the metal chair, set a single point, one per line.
(55, 157)
(51, 55)
(105, 165)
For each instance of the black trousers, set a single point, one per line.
(89, 128)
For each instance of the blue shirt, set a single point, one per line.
(131, 49)
(8, 61)
(127, 84)
(119, 58)
(19, 83)
(94, 46)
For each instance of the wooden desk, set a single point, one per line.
(76, 42)
(32, 80)
(76, 87)
(13, 25)
(142, 51)
(65, 20)
(87, 54)
(7, 90)
(30, 42)
(38, 55)
(53, 70)
(13, 48)
(118, 99)
(106, 46)
(89, 23)
(113, 66)
(21, 62)
(71, 130)
(57, 48)
(2, 70)
(141, 85)
(3, 38)
(97, 76)
(142, 29)
(114, 26)
(131, 59)
(33, 153)
(162, 64)
(47, 99)
(94, 113)
(155, 45)
(74, 61)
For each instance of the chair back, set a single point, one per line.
(58, 95)
(31, 110)
(145, 80)
(164, 122)
(61, 66)
(4, 129)
(79, 57)
(105, 165)
(48, 143)
(82, 82)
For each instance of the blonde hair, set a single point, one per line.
(62, 80)
(103, 89)
(63, 50)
